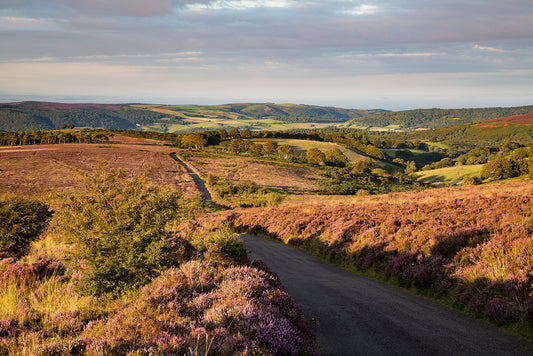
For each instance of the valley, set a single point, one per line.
(429, 212)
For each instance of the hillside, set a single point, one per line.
(491, 132)
(466, 246)
(27, 116)
(432, 118)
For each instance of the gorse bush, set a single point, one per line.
(22, 221)
(119, 226)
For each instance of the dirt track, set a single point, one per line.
(354, 315)
(200, 184)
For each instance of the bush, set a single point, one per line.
(23, 220)
(119, 227)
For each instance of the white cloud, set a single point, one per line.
(241, 4)
(489, 49)
(14, 22)
(363, 9)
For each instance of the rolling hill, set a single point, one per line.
(491, 132)
(25, 116)
(410, 120)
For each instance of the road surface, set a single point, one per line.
(355, 315)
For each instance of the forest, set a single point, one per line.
(435, 118)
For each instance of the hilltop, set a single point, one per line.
(24, 116)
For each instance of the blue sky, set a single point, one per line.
(391, 54)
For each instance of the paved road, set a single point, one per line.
(354, 315)
(200, 184)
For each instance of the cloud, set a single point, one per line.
(14, 22)
(362, 9)
(489, 49)
(66, 8)
(242, 40)
(239, 4)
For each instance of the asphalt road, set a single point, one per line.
(355, 315)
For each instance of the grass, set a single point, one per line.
(439, 145)
(392, 152)
(448, 174)
(301, 146)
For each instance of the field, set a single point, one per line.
(202, 124)
(275, 175)
(449, 175)
(301, 146)
(37, 170)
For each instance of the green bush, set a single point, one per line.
(223, 240)
(22, 221)
(119, 227)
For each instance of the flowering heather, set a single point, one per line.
(470, 244)
(202, 307)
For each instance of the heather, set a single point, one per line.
(471, 247)
(123, 269)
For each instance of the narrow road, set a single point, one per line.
(355, 315)
(200, 184)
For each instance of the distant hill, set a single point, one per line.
(492, 132)
(26, 116)
(299, 113)
(433, 118)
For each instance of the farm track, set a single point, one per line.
(355, 315)
(200, 184)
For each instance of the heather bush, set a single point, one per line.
(22, 221)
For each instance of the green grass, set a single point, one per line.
(300, 146)
(448, 174)
(439, 145)
(392, 152)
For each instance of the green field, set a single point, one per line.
(301, 146)
(449, 174)
(392, 152)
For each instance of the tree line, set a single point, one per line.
(52, 137)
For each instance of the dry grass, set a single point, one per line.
(38, 170)
(286, 177)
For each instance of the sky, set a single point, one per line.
(388, 54)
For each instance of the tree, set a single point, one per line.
(270, 148)
(286, 151)
(223, 134)
(315, 156)
(362, 167)
(410, 167)
(246, 133)
(256, 150)
(118, 225)
(234, 133)
(193, 140)
(335, 157)
(499, 168)
(23, 220)
(239, 145)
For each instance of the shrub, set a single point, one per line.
(22, 221)
(119, 227)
